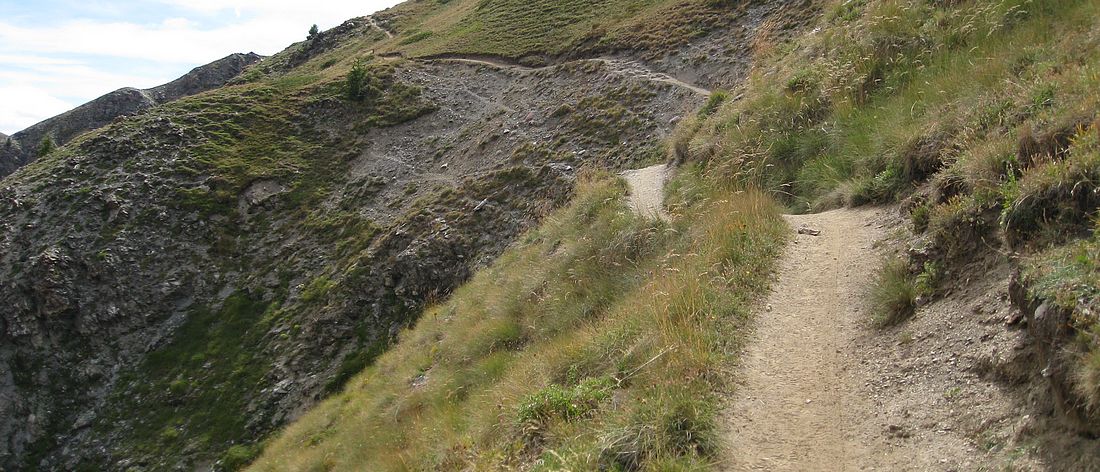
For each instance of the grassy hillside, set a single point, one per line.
(536, 29)
(600, 341)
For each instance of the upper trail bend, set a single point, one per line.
(622, 66)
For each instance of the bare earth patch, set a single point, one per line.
(647, 190)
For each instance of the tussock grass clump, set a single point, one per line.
(894, 295)
(598, 341)
(963, 225)
(1056, 195)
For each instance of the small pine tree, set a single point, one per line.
(46, 146)
(313, 31)
(357, 82)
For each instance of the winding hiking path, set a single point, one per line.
(647, 192)
(622, 66)
(374, 24)
(797, 405)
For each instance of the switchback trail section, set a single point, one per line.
(647, 193)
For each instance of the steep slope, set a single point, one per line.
(972, 118)
(185, 281)
(25, 145)
(189, 278)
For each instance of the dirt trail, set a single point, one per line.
(797, 404)
(626, 67)
(374, 24)
(647, 190)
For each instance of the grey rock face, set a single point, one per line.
(122, 102)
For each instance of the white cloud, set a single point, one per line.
(325, 13)
(173, 41)
(24, 106)
(39, 76)
(35, 88)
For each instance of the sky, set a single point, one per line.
(57, 54)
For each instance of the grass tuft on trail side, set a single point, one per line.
(894, 295)
(597, 341)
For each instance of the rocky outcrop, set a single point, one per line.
(203, 78)
(122, 102)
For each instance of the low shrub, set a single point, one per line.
(556, 402)
(920, 216)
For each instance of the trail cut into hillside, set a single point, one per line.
(622, 66)
(797, 405)
(820, 388)
(647, 190)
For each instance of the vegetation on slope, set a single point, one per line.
(981, 118)
(536, 29)
(598, 341)
(194, 389)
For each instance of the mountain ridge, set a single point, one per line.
(100, 111)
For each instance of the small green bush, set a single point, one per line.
(557, 402)
(920, 217)
(361, 85)
(238, 456)
(881, 188)
(894, 295)
(929, 280)
(46, 146)
(713, 103)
